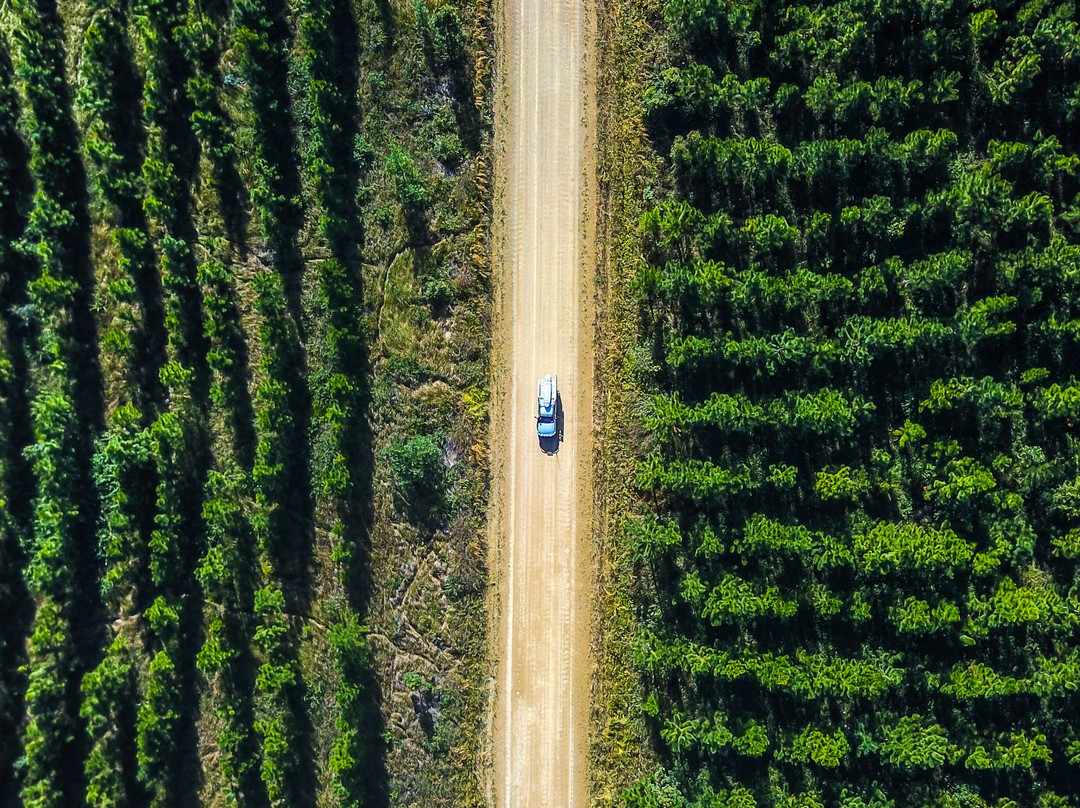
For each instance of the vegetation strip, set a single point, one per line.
(216, 465)
(856, 466)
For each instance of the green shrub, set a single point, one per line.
(415, 464)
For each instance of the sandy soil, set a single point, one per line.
(544, 237)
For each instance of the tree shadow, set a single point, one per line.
(16, 431)
(187, 778)
(272, 104)
(388, 22)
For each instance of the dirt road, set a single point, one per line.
(544, 237)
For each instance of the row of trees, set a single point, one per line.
(336, 383)
(806, 674)
(910, 743)
(131, 735)
(59, 411)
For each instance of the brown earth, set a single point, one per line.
(541, 515)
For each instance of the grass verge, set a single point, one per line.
(627, 172)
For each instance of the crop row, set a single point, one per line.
(910, 743)
(737, 599)
(57, 458)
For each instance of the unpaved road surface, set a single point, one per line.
(544, 239)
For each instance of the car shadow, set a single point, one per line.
(550, 445)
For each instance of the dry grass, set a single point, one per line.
(627, 167)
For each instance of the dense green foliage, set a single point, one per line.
(199, 210)
(860, 306)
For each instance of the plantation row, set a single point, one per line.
(908, 743)
(858, 473)
(185, 362)
(702, 288)
(881, 547)
(810, 675)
